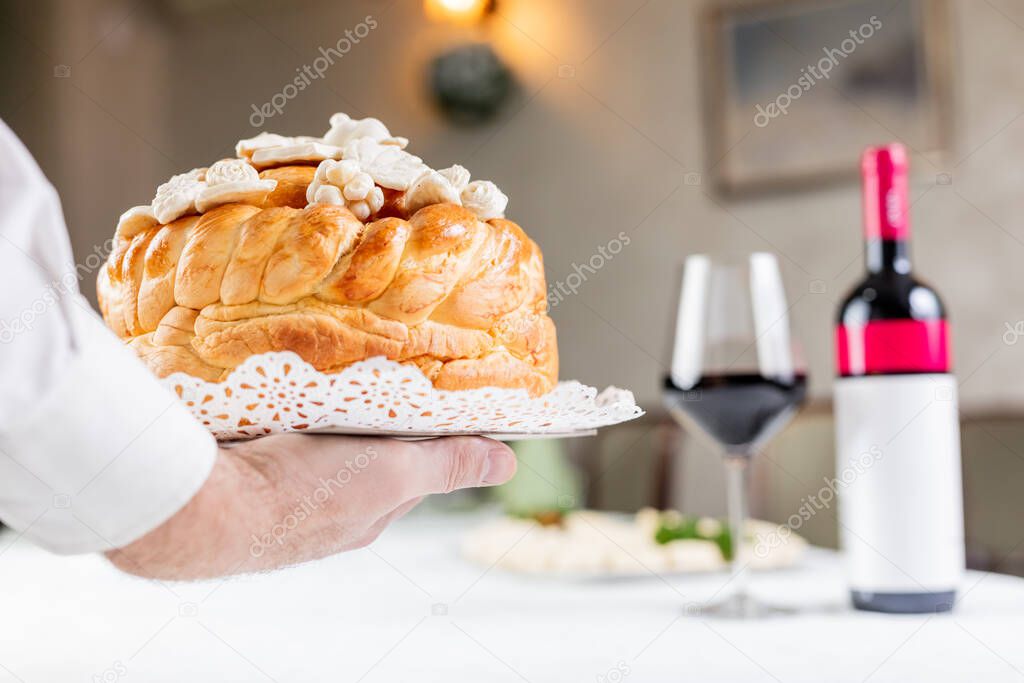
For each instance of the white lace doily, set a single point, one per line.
(279, 392)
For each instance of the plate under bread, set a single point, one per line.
(417, 436)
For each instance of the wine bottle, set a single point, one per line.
(897, 432)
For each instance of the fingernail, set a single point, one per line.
(501, 465)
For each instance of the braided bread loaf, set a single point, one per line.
(461, 298)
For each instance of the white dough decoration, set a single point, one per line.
(344, 129)
(452, 186)
(457, 175)
(379, 156)
(230, 171)
(388, 165)
(344, 183)
(430, 188)
(483, 198)
(244, 148)
(233, 181)
(267, 157)
(177, 197)
(135, 220)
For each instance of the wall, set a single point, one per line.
(603, 148)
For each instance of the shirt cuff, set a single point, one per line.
(107, 455)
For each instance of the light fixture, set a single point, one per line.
(470, 83)
(463, 12)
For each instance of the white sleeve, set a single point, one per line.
(94, 452)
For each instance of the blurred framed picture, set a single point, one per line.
(795, 89)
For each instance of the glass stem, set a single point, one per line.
(736, 482)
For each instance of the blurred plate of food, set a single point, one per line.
(589, 544)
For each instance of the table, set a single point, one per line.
(408, 608)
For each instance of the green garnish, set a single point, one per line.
(674, 528)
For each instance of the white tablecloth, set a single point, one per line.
(409, 609)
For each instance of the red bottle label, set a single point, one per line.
(893, 346)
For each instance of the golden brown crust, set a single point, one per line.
(463, 300)
(291, 185)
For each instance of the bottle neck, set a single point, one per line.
(888, 256)
(886, 209)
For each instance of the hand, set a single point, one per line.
(291, 498)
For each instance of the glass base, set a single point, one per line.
(742, 606)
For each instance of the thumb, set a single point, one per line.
(461, 462)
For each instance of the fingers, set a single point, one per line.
(402, 510)
(407, 472)
(441, 466)
(459, 462)
(362, 484)
(381, 524)
(379, 475)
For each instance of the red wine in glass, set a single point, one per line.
(735, 379)
(739, 411)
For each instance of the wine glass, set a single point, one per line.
(736, 379)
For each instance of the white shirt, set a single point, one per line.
(94, 452)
